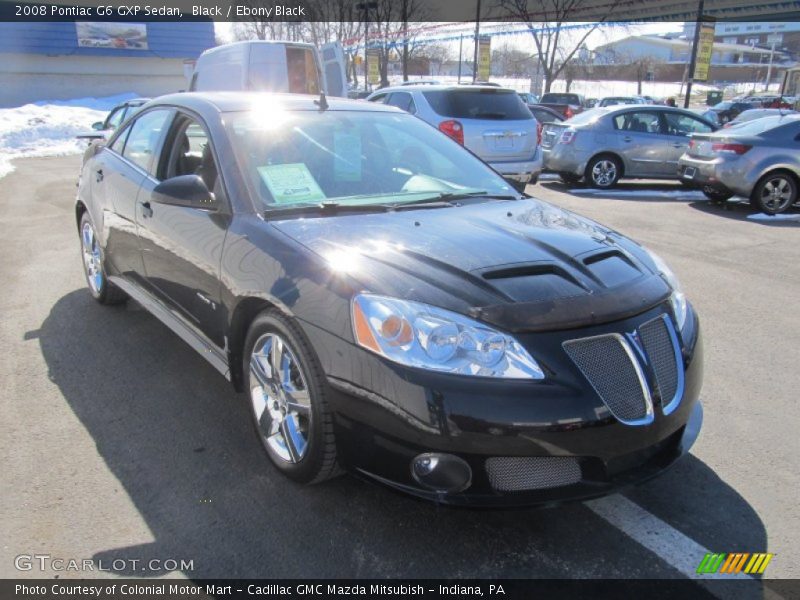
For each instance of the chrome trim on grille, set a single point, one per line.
(669, 405)
(646, 398)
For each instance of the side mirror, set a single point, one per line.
(98, 126)
(185, 190)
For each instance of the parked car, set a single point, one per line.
(272, 66)
(603, 145)
(431, 329)
(730, 109)
(101, 130)
(543, 116)
(568, 105)
(492, 122)
(757, 113)
(759, 160)
(529, 98)
(616, 100)
(590, 102)
(421, 82)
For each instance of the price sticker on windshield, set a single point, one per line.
(291, 183)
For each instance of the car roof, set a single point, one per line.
(245, 101)
(441, 87)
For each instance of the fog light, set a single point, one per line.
(441, 472)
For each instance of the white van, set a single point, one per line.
(273, 66)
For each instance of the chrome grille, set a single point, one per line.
(661, 345)
(608, 363)
(518, 473)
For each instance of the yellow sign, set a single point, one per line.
(705, 48)
(373, 64)
(484, 58)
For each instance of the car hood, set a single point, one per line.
(522, 265)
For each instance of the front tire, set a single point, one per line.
(603, 171)
(288, 399)
(100, 287)
(775, 193)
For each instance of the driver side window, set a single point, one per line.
(189, 153)
(678, 124)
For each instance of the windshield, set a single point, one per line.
(492, 103)
(296, 158)
(759, 126)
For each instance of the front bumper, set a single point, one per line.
(717, 174)
(385, 415)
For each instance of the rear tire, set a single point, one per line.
(603, 171)
(100, 287)
(775, 193)
(288, 399)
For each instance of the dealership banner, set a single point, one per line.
(484, 58)
(430, 589)
(535, 12)
(705, 49)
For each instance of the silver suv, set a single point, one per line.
(492, 122)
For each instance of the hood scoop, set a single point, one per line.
(534, 282)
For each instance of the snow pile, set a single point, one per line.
(49, 128)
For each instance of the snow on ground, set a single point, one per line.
(774, 218)
(48, 128)
(679, 194)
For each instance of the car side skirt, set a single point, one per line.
(205, 347)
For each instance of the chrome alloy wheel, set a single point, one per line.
(776, 194)
(280, 399)
(604, 172)
(92, 261)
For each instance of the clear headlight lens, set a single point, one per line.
(678, 300)
(419, 335)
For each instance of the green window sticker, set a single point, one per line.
(291, 183)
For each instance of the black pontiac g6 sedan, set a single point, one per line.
(389, 304)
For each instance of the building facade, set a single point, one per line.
(64, 60)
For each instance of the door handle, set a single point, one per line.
(147, 210)
(99, 175)
(627, 138)
(678, 145)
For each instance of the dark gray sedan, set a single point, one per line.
(759, 160)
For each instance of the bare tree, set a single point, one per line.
(437, 55)
(548, 22)
(394, 27)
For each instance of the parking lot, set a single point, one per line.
(121, 442)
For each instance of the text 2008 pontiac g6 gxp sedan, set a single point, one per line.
(389, 304)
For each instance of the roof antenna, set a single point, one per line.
(322, 102)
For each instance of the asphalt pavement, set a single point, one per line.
(119, 441)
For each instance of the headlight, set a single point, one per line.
(419, 335)
(678, 298)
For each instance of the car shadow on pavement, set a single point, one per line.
(742, 211)
(179, 441)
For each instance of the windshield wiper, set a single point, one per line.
(479, 194)
(324, 208)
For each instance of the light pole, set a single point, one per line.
(477, 33)
(365, 6)
(693, 61)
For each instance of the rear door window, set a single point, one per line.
(144, 138)
(402, 100)
(638, 122)
(490, 104)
